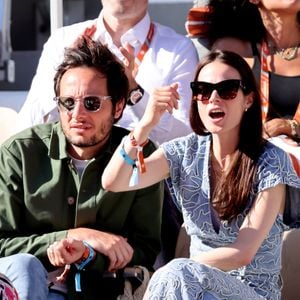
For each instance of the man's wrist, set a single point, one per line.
(88, 255)
(82, 263)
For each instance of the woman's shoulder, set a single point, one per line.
(190, 143)
(272, 149)
(191, 139)
(275, 166)
(275, 159)
(272, 153)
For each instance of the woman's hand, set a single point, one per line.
(161, 100)
(276, 127)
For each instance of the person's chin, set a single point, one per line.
(79, 141)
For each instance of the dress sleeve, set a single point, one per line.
(275, 167)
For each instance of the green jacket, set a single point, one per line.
(41, 196)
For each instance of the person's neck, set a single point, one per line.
(117, 27)
(222, 149)
(86, 153)
(82, 153)
(283, 31)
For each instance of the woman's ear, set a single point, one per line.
(249, 101)
(119, 108)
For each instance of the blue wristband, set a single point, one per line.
(134, 178)
(82, 265)
(126, 157)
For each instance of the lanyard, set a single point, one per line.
(145, 47)
(265, 85)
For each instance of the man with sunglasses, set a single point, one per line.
(52, 205)
(154, 55)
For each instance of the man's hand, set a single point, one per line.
(66, 251)
(129, 65)
(115, 247)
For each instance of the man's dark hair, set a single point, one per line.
(94, 54)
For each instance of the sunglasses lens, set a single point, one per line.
(228, 89)
(201, 90)
(92, 103)
(68, 103)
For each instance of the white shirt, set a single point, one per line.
(171, 58)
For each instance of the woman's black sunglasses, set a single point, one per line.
(227, 89)
(91, 103)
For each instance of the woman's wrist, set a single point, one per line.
(127, 146)
(141, 133)
(294, 128)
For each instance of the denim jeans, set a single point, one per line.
(28, 276)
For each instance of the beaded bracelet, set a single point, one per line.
(88, 255)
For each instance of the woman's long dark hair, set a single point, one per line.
(232, 193)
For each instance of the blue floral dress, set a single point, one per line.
(189, 182)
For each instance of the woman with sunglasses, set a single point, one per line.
(227, 180)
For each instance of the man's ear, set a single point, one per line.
(119, 108)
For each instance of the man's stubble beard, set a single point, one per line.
(105, 132)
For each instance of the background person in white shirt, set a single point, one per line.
(169, 57)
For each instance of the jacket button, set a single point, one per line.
(71, 200)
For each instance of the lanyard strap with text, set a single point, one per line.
(265, 85)
(145, 47)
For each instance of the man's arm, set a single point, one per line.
(140, 246)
